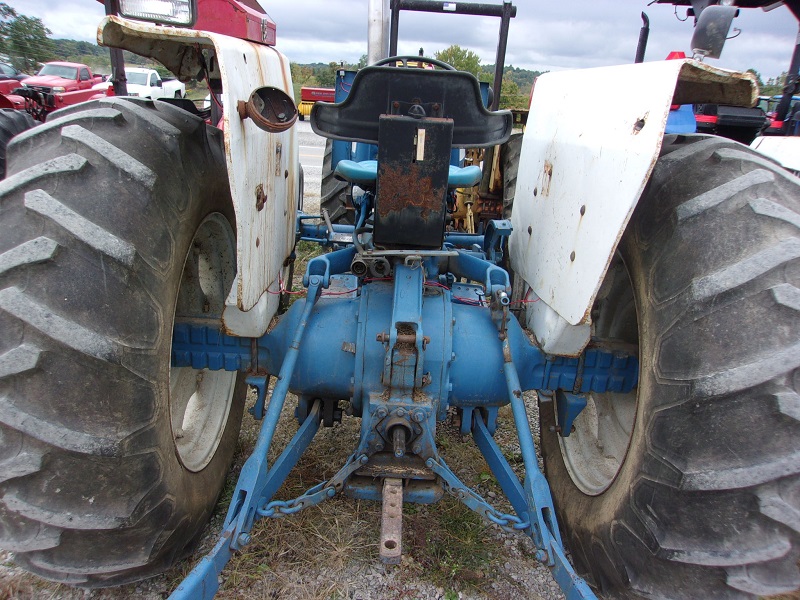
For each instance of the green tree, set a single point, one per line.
(24, 39)
(774, 85)
(759, 81)
(510, 95)
(460, 58)
(326, 76)
(302, 74)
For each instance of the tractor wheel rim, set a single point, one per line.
(200, 400)
(595, 450)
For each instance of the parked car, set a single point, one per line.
(58, 84)
(8, 71)
(147, 83)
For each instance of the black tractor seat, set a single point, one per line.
(416, 117)
(418, 93)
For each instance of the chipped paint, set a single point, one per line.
(251, 154)
(600, 166)
(547, 178)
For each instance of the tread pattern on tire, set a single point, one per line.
(333, 193)
(714, 465)
(12, 122)
(91, 491)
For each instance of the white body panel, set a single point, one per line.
(785, 150)
(592, 139)
(255, 160)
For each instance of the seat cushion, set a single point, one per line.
(463, 176)
(365, 173)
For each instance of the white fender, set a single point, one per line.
(256, 160)
(592, 139)
(784, 150)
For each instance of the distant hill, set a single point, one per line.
(312, 74)
(97, 57)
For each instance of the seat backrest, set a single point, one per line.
(413, 168)
(412, 92)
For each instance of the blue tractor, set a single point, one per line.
(660, 277)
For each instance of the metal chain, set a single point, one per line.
(506, 521)
(314, 495)
(473, 500)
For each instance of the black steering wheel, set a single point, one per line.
(405, 59)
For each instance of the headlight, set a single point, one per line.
(58, 90)
(171, 12)
(23, 84)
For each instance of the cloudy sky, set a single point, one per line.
(544, 36)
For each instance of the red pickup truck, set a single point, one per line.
(58, 84)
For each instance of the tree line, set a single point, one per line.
(25, 42)
(516, 88)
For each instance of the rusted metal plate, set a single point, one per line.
(387, 465)
(582, 171)
(262, 167)
(413, 166)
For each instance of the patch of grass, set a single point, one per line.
(452, 544)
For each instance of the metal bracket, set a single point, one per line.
(261, 383)
(568, 407)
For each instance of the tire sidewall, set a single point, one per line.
(195, 493)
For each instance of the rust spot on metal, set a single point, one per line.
(507, 353)
(406, 467)
(261, 197)
(241, 108)
(547, 177)
(403, 189)
(392, 521)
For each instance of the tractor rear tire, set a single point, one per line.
(333, 193)
(509, 160)
(116, 219)
(690, 486)
(12, 122)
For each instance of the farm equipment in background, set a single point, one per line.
(658, 275)
(770, 106)
(310, 95)
(744, 124)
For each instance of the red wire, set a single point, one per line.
(213, 96)
(525, 299)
